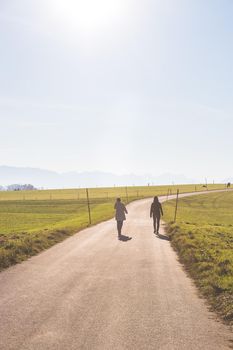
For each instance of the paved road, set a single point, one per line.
(95, 292)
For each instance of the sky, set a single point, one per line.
(122, 86)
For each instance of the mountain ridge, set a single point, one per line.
(52, 179)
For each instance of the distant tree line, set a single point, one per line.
(18, 187)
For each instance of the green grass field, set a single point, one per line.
(31, 221)
(203, 237)
(105, 193)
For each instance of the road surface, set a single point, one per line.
(95, 292)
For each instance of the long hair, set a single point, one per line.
(156, 200)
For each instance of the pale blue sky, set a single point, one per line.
(120, 86)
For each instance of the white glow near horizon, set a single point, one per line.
(88, 15)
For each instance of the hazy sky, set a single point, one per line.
(117, 85)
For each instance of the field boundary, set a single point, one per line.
(220, 302)
(19, 247)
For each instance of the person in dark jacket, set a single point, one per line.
(120, 215)
(156, 210)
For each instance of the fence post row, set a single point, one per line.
(127, 198)
(88, 206)
(177, 197)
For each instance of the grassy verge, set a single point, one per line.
(30, 227)
(32, 221)
(203, 238)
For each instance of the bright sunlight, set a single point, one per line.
(88, 15)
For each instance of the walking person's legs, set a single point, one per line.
(154, 221)
(158, 223)
(119, 227)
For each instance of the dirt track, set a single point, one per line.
(95, 292)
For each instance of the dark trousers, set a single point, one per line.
(156, 219)
(119, 226)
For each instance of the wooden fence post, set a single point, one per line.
(126, 191)
(177, 197)
(88, 206)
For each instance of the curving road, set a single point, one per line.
(95, 292)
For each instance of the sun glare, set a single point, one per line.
(88, 15)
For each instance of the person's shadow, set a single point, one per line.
(124, 238)
(165, 238)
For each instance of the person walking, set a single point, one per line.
(156, 210)
(120, 215)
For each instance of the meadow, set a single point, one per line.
(31, 221)
(203, 238)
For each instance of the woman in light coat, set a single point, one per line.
(120, 215)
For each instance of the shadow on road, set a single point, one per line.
(231, 344)
(124, 238)
(166, 238)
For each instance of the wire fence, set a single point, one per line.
(42, 209)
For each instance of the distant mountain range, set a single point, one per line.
(51, 179)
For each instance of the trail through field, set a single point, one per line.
(93, 291)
